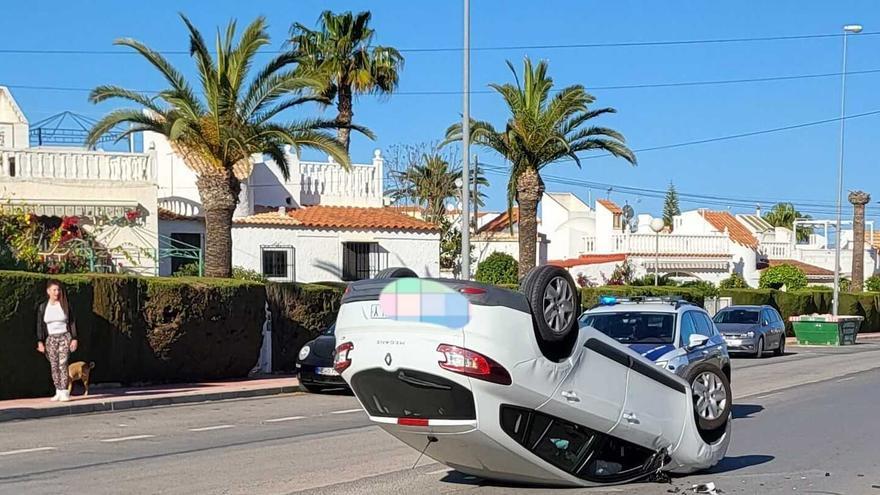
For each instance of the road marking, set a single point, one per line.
(346, 411)
(212, 428)
(125, 439)
(846, 379)
(768, 395)
(25, 451)
(288, 418)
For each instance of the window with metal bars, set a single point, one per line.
(361, 260)
(277, 263)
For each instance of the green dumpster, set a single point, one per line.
(826, 329)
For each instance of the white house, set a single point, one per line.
(702, 245)
(323, 223)
(112, 194)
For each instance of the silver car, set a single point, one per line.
(752, 329)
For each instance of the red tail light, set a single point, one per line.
(341, 362)
(472, 290)
(472, 364)
(412, 421)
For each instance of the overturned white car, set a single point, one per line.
(504, 385)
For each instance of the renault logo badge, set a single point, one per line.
(388, 359)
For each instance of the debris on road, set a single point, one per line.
(708, 488)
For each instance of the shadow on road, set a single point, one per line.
(739, 462)
(746, 411)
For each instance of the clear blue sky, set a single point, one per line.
(792, 165)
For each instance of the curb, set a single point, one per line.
(124, 404)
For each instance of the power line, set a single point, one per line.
(715, 82)
(615, 44)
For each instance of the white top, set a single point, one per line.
(56, 321)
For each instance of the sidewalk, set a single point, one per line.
(115, 399)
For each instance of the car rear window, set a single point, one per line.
(634, 327)
(745, 316)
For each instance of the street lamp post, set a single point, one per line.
(855, 29)
(657, 225)
(465, 149)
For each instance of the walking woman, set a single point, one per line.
(56, 336)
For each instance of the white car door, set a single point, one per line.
(594, 392)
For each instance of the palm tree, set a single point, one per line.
(431, 185)
(539, 131)
(217, 131)
(342, 52)
(784, 215)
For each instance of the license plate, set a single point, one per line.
(326, 372)
(376, 312)
(734, 342)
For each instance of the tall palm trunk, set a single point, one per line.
(529, 188)
(219, 193)
(858, 199)
(345, 115)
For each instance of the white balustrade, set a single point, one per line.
(776, 250)
(181, 206)
(323, 181)
(668, 244)
(74, 164)
(589, 244)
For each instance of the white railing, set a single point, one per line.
(670, 244)
(776, 250)
(181, 206)
(74, 164)
(326, 182)
(589, 244)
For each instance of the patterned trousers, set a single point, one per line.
(58, 350)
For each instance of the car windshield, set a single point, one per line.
(745, 316)
(634, 327)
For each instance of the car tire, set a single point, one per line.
(311, 388)
(780, 351)
(397, 272)
(759, 348)
(712, 396)
(555, 305)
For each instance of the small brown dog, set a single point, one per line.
(79, 371)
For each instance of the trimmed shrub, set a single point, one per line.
(299, 313)
(136, 330)
(873, 284)
(707, 288)
(734, 281)
(590, 295)
(648, 279)
(756, 297)
(238, 273)
(497, 268)
(788, 276)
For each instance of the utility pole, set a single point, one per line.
(476, 193)
(466, 149)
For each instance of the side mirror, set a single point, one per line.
(765, 323)
(696, 340)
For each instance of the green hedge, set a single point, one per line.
(299, 313)
(590, 295)
(136, 330)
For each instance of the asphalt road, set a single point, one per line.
(805, 423)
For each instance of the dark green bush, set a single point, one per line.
(238, 273)
(136, 330)
(497, 268)
(873, 284)
(756, 297)
(707, 288)
(788, 276)
(590, 295)
(663, 280)
(734, 281)
(299, 313)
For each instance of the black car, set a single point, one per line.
(315, 363)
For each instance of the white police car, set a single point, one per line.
(677, 336)
(506, 385)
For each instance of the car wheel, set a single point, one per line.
(712, 396)
(396, 272)
(311, 388)
(780, 351)
(759, 348)
(555, 305)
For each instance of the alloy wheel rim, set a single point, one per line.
(558, 304)
(710, 395)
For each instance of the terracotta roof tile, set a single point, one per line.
(501, 222)
(610, 205)
(340, 217)
(588, 259)
(875, 240)
(738, 232)
(809, 270)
